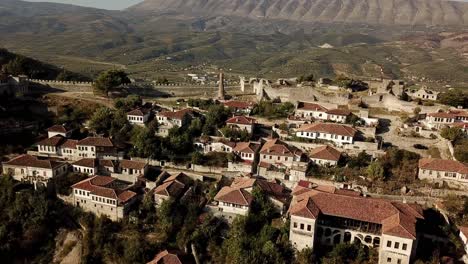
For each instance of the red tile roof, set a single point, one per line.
(52, 141)
(138, 112)
(88, 163)
(341, 112)
(311, 107)
(242, 120)
(58, 129)
(26, 160)
(247, 147)
(96, 141)
(164, 257)
(69, 143)
(329, 128)
(233, 195)
(177, 114)
(325, 153)
(443, 165)
(397, 219)
(131, 164)
(173, 186)
(104, 186)
(279, 148)
(238, 104)
(450, 114)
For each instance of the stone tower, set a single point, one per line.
(242, 84)
(221, 92)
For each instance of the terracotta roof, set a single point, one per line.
(238, 104)
(131, 164)
(138, 112)
(461, 125)
(305, 186)
(173, 185)
(329, 128)
(243, 120)
(26, 160)
(247, 147)
(233, 195)
(177, 114)
(106, 163)
(450, 114)
(52, 141)
(397, 219)
(105, 186)
(311, 107)
(96, 141)
(69, 143)
(164, 257)
(442, 165)
(58, 129)
(325, 153)
(279, 148)
(342, 112)
(88, 163)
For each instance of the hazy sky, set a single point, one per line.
(105, 4)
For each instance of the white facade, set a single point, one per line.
(301, 232)
(338, 139)
(34, 175)
(396, 250)
(138, 120)
(84, 169)
(442, 175)
(324, 162)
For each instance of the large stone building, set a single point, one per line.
(103, 195)
(321, 217)
(27, 168)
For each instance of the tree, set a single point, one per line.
(101, 120)
(110, 80)
(453, 134)
(305, 256)
(454, 98)
(417, 110)
(375, 171)
(461, 150)
(128, 103)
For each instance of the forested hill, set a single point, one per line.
(16, 64)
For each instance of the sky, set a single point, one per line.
(104, 4)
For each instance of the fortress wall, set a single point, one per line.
(307, 94)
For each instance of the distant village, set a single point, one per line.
(327, 127)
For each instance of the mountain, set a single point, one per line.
(372, 12)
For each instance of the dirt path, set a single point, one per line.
(88, 97)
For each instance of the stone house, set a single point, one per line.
(130, 170)
(239, 107)
(103, 195)
(325, 156)
(275, 151)
(425, 94)
(172, 187)
(336, 133)
(241, 123)
(30, 169)
(329, 218)
(440, 170)
(168, 120)
(95, 147)
(139, 116)
(232, 202)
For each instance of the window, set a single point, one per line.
(399, 261)
(397, 245)
(309, 228)
(405, 246)
(389, 243)
(295, 225)
(302, 226)
(389, 260)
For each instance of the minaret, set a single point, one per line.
(221, 92)
(242, 84)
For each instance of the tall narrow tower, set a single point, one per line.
(221, 92)
(242, 83)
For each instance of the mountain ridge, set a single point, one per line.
(382, 12)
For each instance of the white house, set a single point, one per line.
(95, 147)
(138, 116)
(168, 120)
(443, 170)
(277, 152)
(60, 130)
(233, 202)
(27, 168)
(87, 165)
(337, 133)
(326, 218)
(440, 120)
(242, 123)
(425, 94)
(311, 111)
(247, 150)
(325, 156)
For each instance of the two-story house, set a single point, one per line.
(103, 195)
(168, 120)
(324, 218)
(440, 120)
(241, 123)
(275, 151)
(247, 151)
(337, 133)
(139, 116)
(31, 169)
(96, 147)
(239, 107)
